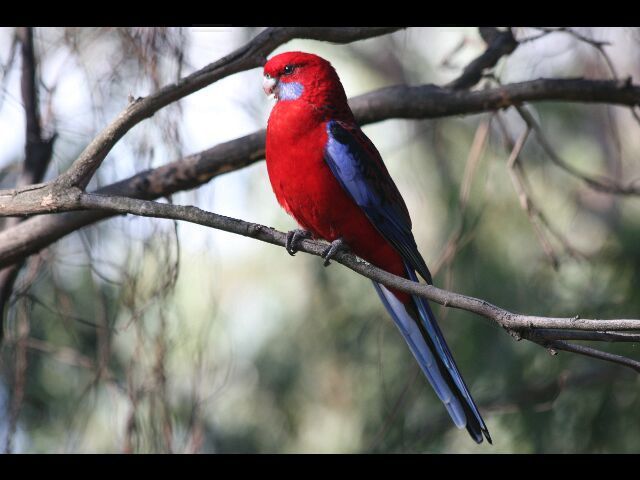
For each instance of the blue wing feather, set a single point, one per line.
(358, 167)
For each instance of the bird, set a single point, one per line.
(329, 176)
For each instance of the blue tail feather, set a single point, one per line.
(412, 335)
(425, 340)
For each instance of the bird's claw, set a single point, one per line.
(331, 251)
(293, 238)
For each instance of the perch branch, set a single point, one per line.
(524, 326)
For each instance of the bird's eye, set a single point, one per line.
(288, 69)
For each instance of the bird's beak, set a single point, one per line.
(269, 85)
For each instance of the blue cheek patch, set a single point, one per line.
(290, 90)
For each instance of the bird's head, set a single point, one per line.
(299, 75)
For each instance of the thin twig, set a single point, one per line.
(473, 159)
(534, 214)
(597, 44)
(537, 218)
(6, 68)
(260, 232)
(584, 350)
(558, 334)
(19, 376)
(603, 184)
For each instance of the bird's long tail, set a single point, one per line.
(418, 326)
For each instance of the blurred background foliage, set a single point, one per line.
(141, 335)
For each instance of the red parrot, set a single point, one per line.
(329, 176)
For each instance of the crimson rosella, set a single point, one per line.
(329, 176)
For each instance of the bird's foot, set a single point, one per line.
(293, 238)
(336, 246)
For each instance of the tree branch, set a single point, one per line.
(584, 350)
(557, 334)
(603, 184)
(251, 55)
(38, 150)
(431, 101)
(522, 326)
(427, 101)
(499, 44)
(508, 320)
(536, 219)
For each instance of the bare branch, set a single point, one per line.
(6, 68)
(499, 44)
(251, 55)
(557, 334)
(460, 236)
(534, 215)
(431, 101)
(534, 37)
(573, 33)
(587, 351)
(523, 326)
(597, 44)
(473, 159)
(537, 218)
(19, 382)
(192, 214)
(602, 184)
(38, 150)
(427, 101)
